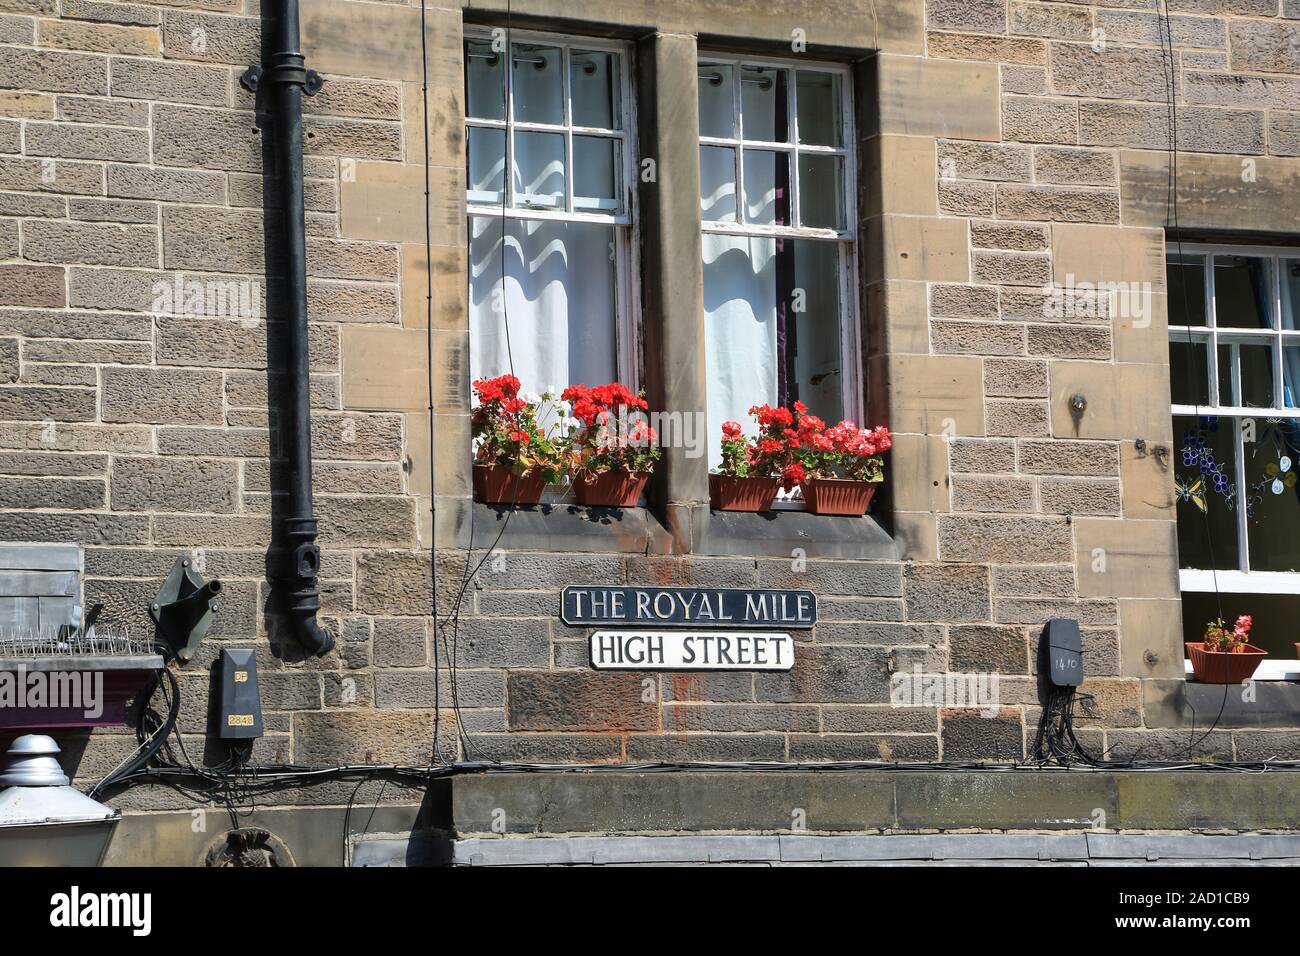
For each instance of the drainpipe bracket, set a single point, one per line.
(289, 71)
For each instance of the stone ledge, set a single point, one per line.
(776, 534)
(1180, 704)
(875, 800)
(569, 527)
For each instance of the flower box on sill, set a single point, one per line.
(729, 493)
(838, 496)
(1224, 667)
(609, 489)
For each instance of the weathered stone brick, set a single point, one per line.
(1018, 236)
(53, 72)
(350, 96)
(401, 642)
(1015, 378)
(1112, 72)
(1284, 133)
(112, 210)
(87, 352)
(381, 736)
(99, 37)
(9, 361)
(976, 16)
(1012, 268)
(370, 520)
(66, 493)
(1040, 610)
(38, 463)
(963, 301)
(26, 105)
(969, 735)
(1076, 167)
(578, 701)
(1058, 203)
(99, 11)
(1069, 458)
(864, 578)
(88, 109)
(1033, 580)
(78, 527)
(24, 204)
(946, 592)
(1000, 162)
(1003, 540)
(356, 139)
(983, 648)
(1017, 419)
(161, 396)
(38, 403)
(977, 338)
(1028, 80)
(211, 38)
(209, 139)
(349, 302)
(45, 175)
(1053, 21)
(1070, 341)
(1036, 119)
(38, 286)
(1080, 496)
(958, 197)
(1134, 26)
(90, 243)
(830, 675)
(219, 531)
(996, 49)
(1262, 46)
(973, 455)
(992, 494)
(1201, 129)
(170, 82)
(174, 484)
(218, 240)
(168, 185)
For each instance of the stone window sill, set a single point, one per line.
(779, 533)
(570, 527)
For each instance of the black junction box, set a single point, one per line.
(241, 703)
(1064, 648)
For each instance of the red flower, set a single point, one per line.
(731, 430)
(793, 474)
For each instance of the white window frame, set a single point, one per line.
(846, 239)
(625, 226)
(1240, 580)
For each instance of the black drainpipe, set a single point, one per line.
(288, 77)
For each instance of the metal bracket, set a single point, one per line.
(184, 609)
(289, 72)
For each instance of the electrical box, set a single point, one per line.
(1064, 652)
(241, 703)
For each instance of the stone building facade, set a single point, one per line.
(1003, 148)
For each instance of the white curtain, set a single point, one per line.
(558, 299)
(739, 330)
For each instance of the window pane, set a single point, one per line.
(821, 119)
(813, 355)
(765, 103)
(597, 179)
(1291, 376)
(717, 92)
(594, 79)
(1290, 293)
(1243, 290)
(821, 191)
(538, 84)
(767, 187)
(772, 327)
(1186, 281)
(718, 183)
(485, 81)
(1206, 493)
(539, 169)
(1256, 363)
(740, 329)
(1188, 373)
(1273, 515)
(487, 164)
(558, 299)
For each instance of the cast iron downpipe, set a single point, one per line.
(288, 77)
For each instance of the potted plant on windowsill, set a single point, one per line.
(514, 460)
(1224, 656)
(841, 465)
(611, 447)
(753, 469)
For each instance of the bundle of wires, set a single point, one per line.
(1056, 739)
